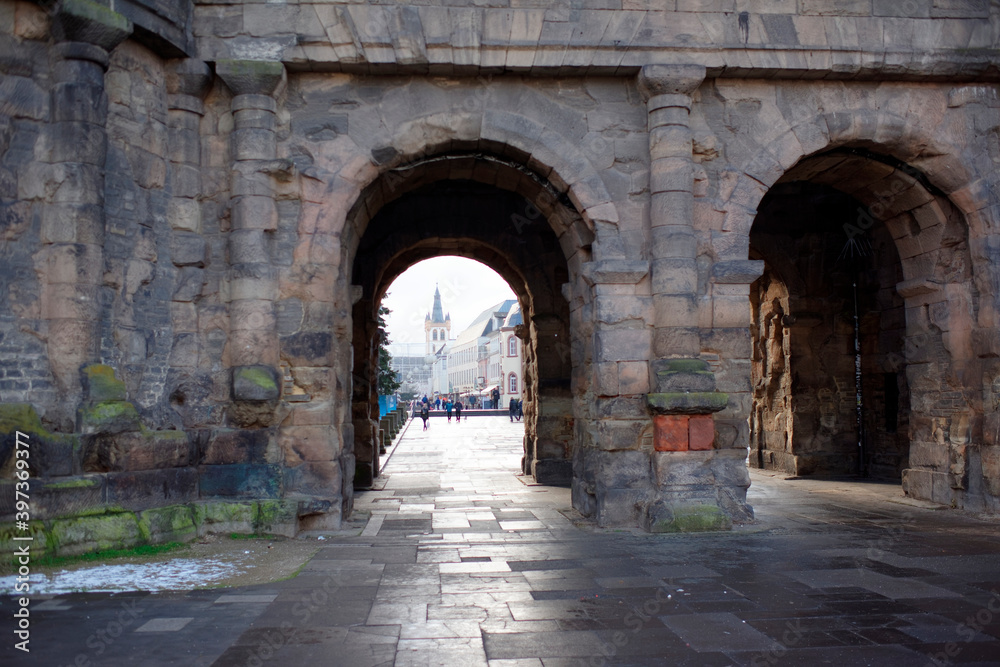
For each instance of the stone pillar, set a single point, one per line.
(73, 216)
(547, 419)
(696, 484)
(364, 397)
(188, 81)
(667, 90)
(612, 475)
(253, 278)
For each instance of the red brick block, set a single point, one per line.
(670, 433)
(701, 432)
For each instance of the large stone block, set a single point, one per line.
(622, 344)
(679, 468)
(218, 516)
(929, 455)
(319, 479)
(701, 432)
(308, 443)
(145, 489)
(108, 417)
(308, 348)
(256, 383)
(78, 535)
(928, 485)
(56, 497)
(226, 446)
(175, 523)
(147, 450)
(188, 249)
(90, 22)
(552, 472)
(618, 435)
(244, 480)
(628, 469)
(49, 454)
(670, 433)
(252, 80)
(621, 507)
(20, 97)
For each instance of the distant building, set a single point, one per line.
(426, 373)
(511, 368)
(474, 360)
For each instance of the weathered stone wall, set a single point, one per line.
(202, 213)
(818, 279)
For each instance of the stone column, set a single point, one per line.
(188, 81)
(364, 398)
(667, 90)
(73, 216)
(253, 278)
(547, 422)
(695, 486)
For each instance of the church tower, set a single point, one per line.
(437, 325)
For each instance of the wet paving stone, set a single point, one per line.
(466, 562)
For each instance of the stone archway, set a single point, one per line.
(915, 296)
(456, 204)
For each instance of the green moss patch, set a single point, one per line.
(692, 519)
(100, 384)
(172, 523)
(688, 403)
(138, 551)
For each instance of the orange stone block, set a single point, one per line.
(701, 432)
(670, 433)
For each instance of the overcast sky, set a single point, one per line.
(467, 289)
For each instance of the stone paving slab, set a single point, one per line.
(472, 564)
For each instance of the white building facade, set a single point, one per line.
(472, 345)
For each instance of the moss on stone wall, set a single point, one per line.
(115, 528)
(100, 383)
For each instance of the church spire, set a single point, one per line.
(437, 314)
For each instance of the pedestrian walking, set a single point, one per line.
(448, 408)
(425, 413)
(520, 409)
(458, 410)
(512, 408)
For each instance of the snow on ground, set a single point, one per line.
(174, 574)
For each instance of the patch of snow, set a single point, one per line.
(176, 574)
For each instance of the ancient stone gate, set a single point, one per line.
(764, 227)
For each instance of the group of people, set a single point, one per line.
(449, 406)
(424, 406)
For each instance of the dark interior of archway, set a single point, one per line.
(499, 228)
(821, 258)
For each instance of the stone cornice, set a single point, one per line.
(369, 39)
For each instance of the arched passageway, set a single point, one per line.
(861, 325)
(502, 215)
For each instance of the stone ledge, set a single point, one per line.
(687, 403)
(114, 528)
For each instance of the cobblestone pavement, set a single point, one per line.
(464, 563)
